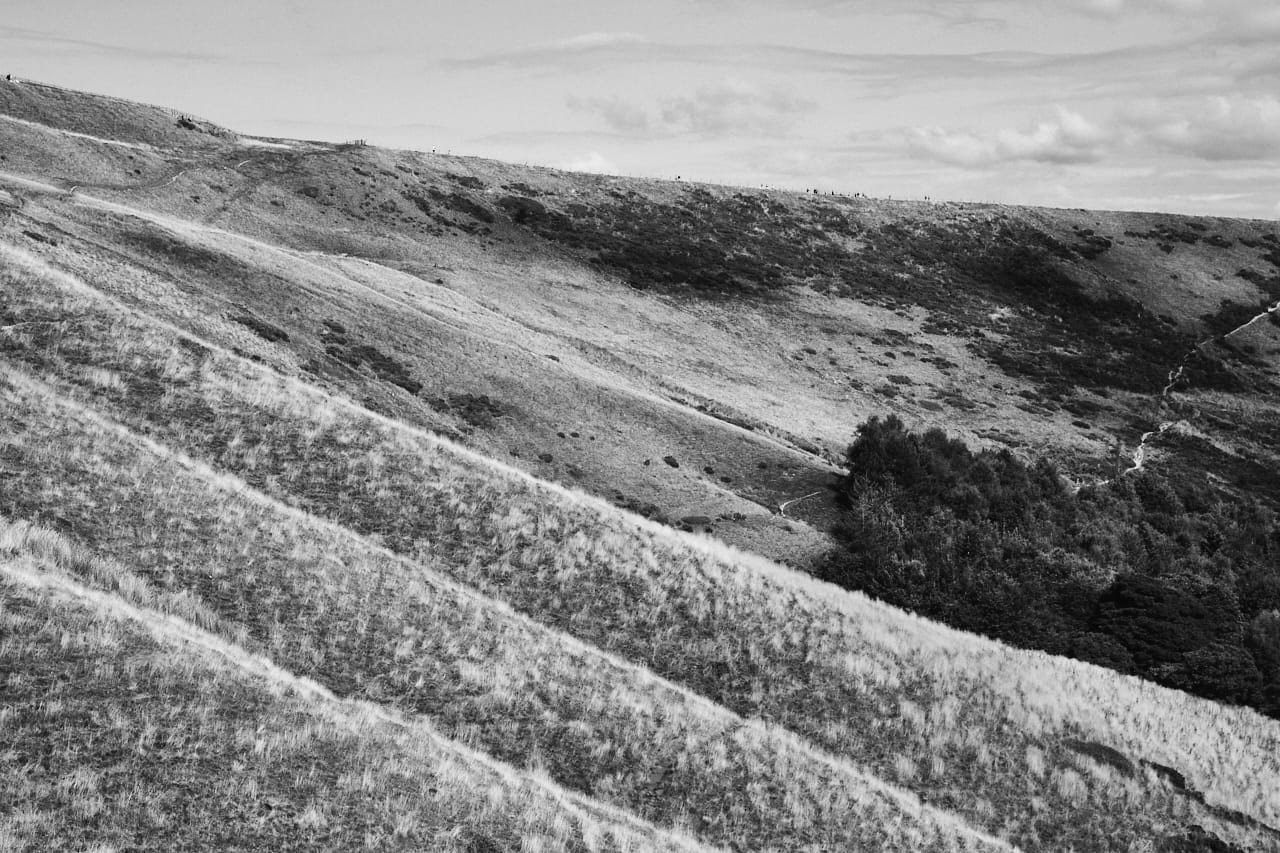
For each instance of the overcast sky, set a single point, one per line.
(1133, 104)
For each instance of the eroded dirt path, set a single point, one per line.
(1138, 458)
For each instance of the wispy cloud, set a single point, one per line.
(575, 50)
(1224, 60)
(594, 41)
(731, 108)
(596, 51)
(47, 39)
(969, 11)
(961, 13)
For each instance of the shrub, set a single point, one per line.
(1144, 575)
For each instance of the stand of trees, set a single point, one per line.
(1169, 580)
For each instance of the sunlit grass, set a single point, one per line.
(129, 729)
(369, 624)
(973, 726)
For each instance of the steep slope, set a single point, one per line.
(275, 378)
(151, 710)
(1019, 756)
(366, 625)
(742, 334)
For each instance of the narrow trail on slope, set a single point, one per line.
(137, 146)
(1138, 458)
(169, 629)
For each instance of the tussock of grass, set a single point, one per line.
(975, 727)
(129, 728)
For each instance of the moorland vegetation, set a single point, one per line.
(314, 463)
(1154, 573)
(395, 568)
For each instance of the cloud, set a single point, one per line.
(593, 162)
(969, 11)
(1068, 138)
(734, 108)
(1225, 60)
(1115, 8)
(1220, 128)
(47, 39)
(569, 51)
(1213, 129)
(594, 41)
(595, 51)
(620, 115)
(731, 108)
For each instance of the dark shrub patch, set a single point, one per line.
(460, 203)
(469, 181)
(181, 252)
(421, 202)
(353, 355)
(523, 189)
(478, 410)
(1102, 754)
(1092, 246)
(38, 237)
(267, 331)
(523, 211)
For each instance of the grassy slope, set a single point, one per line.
(129, 727)
(853, 677)
(909, 329)
(457, 349)
(334, 608)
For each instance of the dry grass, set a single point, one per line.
(129, 728)
(367, 624)
(829, 666)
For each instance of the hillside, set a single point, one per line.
(365, 433)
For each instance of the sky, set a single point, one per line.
(1168, 105)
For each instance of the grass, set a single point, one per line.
(974, 727)
(364, 623)
(464, 551)
(129, 728)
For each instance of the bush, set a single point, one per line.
(1156, 623)
(1144, 575)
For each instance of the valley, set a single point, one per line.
(485, 500)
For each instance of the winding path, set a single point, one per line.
(1139, 456)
